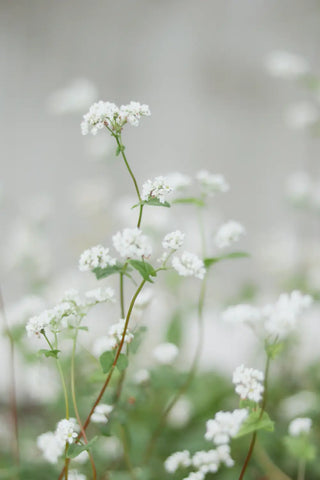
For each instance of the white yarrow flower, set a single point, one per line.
(173, 240)
(225, 425)
(99, 295)
(300, 426)
(228, 234)
(166, 353)
(157, 188)
(189, 265)
(95, 257)
(286, 65)
(131, 243)
(177, 460)
(248, 383)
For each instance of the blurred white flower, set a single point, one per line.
(51, 447)
(242, 313)
(248, 382)
(298, 404)
(131, 243)
(301, 115)
(284, 64)
(212, 183)
(188, 265)
(228, 234)
(75, 475)
(74, 98)
(166, 353)
(299, 187)
(101, 413)
(180, 414)
(141, 377)
(178, 181)
(300, 426)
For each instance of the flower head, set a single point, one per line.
(225, 425)
(95, 257)
(166, 353)
(173, 240)
(248, 383)
(177, 460)
(189, 265)
(131, 243)
(158, 188)
(212, 183)
(228, 234)
(300, 426)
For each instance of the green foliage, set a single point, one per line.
(49, 353)
(75, 449)
(145, 269)
(122, 362)
(190, 200)
(300, 447)
(254, 422)
(106, 361)
(273, 350)
(208, 262)
(175, 329)
(107, 271)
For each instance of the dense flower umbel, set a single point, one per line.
(228, 234)
(95, 257)
(189, 265)
(225, 425)
(248, 383)
(107, 114)
(158, 188)
(131, 243)
(173, 240)
(300, 426)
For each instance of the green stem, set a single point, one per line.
(126, 452)
(263, 406)
(301, 470)
(121, 296)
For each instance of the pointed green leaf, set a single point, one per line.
(229, 256)
(191, 200)
(74, 449)
(254, 423)
(106, 361)
(122, 362)
(49, 353)
(145, 269)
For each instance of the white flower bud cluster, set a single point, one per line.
(101, 413)
(228, 234)
(52, 444)
(300, 426)
(212, 183)
(95, 257)
(248, 383)
(131, 243)
(107, 114)
(178, 460)
(158, 188)
(189, 265)
(100, 295)
(173, 240)
(225, 425)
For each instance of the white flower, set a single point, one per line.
(173, 240)
(141, 377)
(248, 383)
(286, 65)
(301, 115)
(206, 461)
(299, 187)
(229, 233)
(144, 299)
(106, 114)
(282, 317)
(101, 413)
(242, 313)
(166, 353)
(225, 426)
(131, 243)
(157, 188)
(178, 181)
(67, 430)
(300, 426)
(99, 295)
(189, 265)
(75, 97)
(195, 476)
(177, 460)
(103, 344)
(180, 414)
(37, 325)
(212, 183)
(51, 446)
(115, 333)
(75, 475)
(95, 257)
(223, 452)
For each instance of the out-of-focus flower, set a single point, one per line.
(299, 188)
(300, 426)
(166, 353)
(302, 115)
(248, 382)
(228, 234)
(188, 264)
(141, 377)
(74, 98)
(242, 313)
(284, 64)
(131, 243)
(212, 183)
(101, 413)
(180, 414)
(75, 475)
(51, 447)
(178, 181)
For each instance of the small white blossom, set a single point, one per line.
(177, 460)
(99, 295)
(224, 455)
(101, 413)
(51, 447)
(302, 115)
(75, 475)
(95, 257)
(75, 97)
(242, 313)
(114, 337)
(131, 243)
(173, 240)
(189, 265)
(299, 188)
(67, 430)
(178, 181)
(206, 461)
(212, 183)
(157, 188)
(37, 325)
(225, 426)
(286, 65)
(248, 383)
(142, 376)
(166, 353)
(195, 476)
(300, 426)
(180, 414)
(228, 234)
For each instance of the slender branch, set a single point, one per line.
(126, 452)
(13, 393)
(301, 470)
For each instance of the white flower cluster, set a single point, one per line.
(52, 444)
(166, 353)
(302, 115)
(95, 257)
(131, 243)
(75, 475)
(178, 181)
(303, 191)
(173, 240)
(248, 383)
(225, 425)
(158, 188)
(112, 340)
(212, 183)
(228, 234)
(188, 264)
(300, 426)
(69, 312)
(277, 320)
(178, 460)
(101, 413)
(286, 65)
(107, 114)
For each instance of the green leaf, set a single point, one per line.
(49, 353)
(106, 361)
(74, 449)
(107, 271)
(122, 362)
(300, 447)
(120, 148)
(144, 268)
(191, 200)
(155, 202)
(229, 256)
(254, 423)
(273, 349)
(175, 330)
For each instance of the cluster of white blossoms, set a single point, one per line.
(158, 188)
(228, 234)
(52, 444)
(248, 382)
(302, 115)
(276, 321)
(95, 257)
(113, 339)
(131, 243)
(225, 425)
(302, 190)
(75, 475)
(188, 264)
(107, 114)
(212, 183)
(286, 65)
(178, 181)
(300, 426)
(173, 240)
(166, 353)
(101, 413)
(178, 460)
(69, 312)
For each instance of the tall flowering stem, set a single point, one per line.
(263, 406)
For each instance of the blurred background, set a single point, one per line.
(223, 96)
